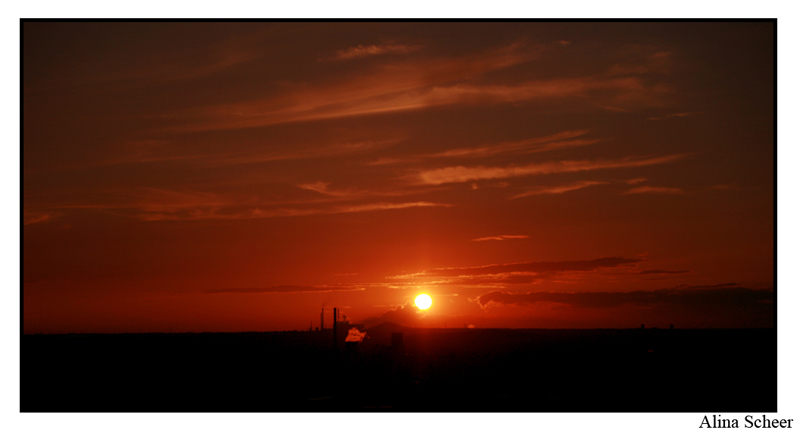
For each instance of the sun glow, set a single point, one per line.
(423, 301)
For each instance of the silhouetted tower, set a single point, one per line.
(322, 319)
(335, 317)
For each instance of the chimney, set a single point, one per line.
(322, 320)
(335, 316)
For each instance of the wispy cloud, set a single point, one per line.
(465, 174)
(255, 213)
(661, 272)
(536, 144)
(646, 189)
(370, 50)
(672, 115)
(406, 315)
(559, 189)
(537, 267)
(725, 295)
(401, 86)
(283, 289)
(694, 287)
(322, 188)
(501, 237)
(351, 193)
(35, 217)
(153, 204)
(418, 84)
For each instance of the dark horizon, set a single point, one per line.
(390, 368)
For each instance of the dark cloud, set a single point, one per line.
(406, 315)
(537, 267)
(661, 272)
(282, 289)
(709, 286)
(703, 296)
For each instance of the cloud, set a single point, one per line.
(673, 115)
(534, 267)
(532, 145)
(153, 204)
(640, 60)
(635, 181)
(283, 289)
(725, 187)
(322, 188)
(29, 218)
(661, 272)
(281, 212)
(391, 88)
(646, 189)
(322, 151)
(383, 161)
(723, 294)
(419, 84)
(406, 315)
(559, 189)
(370, 50)
(728, 285)
(465, 174)
(501, 237)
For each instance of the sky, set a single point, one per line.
(242, 176)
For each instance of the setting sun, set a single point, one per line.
(423, 301)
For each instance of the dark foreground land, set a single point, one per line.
(437, 370)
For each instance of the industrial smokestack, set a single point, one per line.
(322, 320)
(335, 317)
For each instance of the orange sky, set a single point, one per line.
(240, 176)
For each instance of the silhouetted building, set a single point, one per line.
(398, 347)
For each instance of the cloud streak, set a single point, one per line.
(361, 51)
(559, 189)
(501, 237)
(33, 218)
(534, 267)
(256, 213)
(725, 294)
(536, 144)
(646, 189)
(418, 84)
(661, 272)
(464, 174)
(282, 289)
(153, 204)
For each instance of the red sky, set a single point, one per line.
(240, 176)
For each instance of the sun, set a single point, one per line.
(423, 301)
